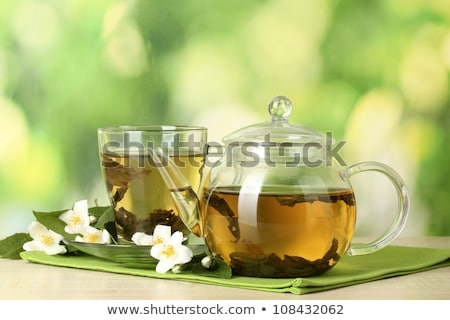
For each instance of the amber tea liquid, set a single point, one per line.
(138, 194)
(276, 233)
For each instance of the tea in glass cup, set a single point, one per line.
(136, 190)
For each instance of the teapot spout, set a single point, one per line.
(185, 198)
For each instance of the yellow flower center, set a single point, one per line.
(168, 251)
(46, 239)
(156, 240)
(75, 220)
(92, 238)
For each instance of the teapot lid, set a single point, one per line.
(278, 129)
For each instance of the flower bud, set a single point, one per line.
(177, 268)
(207, 262)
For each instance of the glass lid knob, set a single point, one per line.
(280, 108)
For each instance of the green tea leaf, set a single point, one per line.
(11, 247)
(271, 265)
(224, 209)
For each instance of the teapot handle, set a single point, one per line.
(402, 211)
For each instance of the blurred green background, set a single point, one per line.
(374, 73)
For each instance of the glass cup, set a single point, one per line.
(136, 190)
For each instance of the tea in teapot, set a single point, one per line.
(293, 232)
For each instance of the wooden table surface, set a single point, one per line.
(23, 280)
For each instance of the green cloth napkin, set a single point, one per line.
(387, 262)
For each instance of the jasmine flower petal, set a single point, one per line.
(171, 253)
(142, 239)
(44, 240)
(93, 235)
(161, 234)
(76, 219)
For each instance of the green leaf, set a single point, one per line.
(11, 247)
(219, 269)
(98, 212)
(105, 219)
(52, 222)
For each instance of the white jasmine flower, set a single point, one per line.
(44, 240)
(93, 235)
(171, 253)
(161, 234)
(76, 219)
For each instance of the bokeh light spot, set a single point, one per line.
(423, 75)
(36, 24)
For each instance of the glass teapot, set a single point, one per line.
(277, 203)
